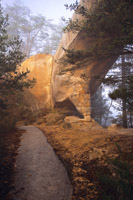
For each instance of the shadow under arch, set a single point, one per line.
(68, 108)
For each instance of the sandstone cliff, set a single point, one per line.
(40, 67)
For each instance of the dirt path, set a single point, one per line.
(39, 173)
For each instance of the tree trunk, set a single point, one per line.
(124, 109)
(131, 120)
(124, 114)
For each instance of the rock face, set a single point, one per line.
(60, 86)
(70, 85)
(40, 67)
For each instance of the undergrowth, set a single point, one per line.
(7, 123)
(117, 184)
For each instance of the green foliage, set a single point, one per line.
(108, 23)
(109, 27)
(11, 79)
(122, 81)
(72, 56)
(117, 184)
(122, 93)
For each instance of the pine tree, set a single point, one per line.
(108, 23)
(121, 79)
(11, 79)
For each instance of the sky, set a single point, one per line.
(51, 9)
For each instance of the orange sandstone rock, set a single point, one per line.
(80, 84)
(40, 67)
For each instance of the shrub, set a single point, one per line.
(7, 124)
(117, 183)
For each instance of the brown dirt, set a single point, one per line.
(9, 143)
(84, 154)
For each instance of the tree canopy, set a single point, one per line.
(121, 79)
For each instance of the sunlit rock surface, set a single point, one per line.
(70, 84)
(56, 85)
(40, 67)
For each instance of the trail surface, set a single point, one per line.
(39, 173)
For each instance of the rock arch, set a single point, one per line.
(71, 85)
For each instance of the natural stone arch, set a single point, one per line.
(71, 85)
